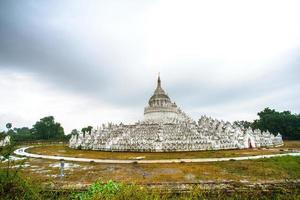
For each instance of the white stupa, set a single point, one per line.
(166, 128)
(161, 109)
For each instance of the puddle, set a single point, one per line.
(168, 171)
(111, 169)
(189, 177)
(66, 165)
(12, 158)
(21, 166)
(41, 171)
(53, 175)
(137, 158)
(86, 168)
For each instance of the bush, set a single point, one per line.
(114, 191)
(13, 186)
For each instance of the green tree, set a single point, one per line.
(285, 122)
(47, 128)
(8, 126)
(242, 123)
(22, 134)
(87, 129)
(74, 132)
(9, 130)
(83, 130)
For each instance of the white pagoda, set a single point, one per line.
(166, 128)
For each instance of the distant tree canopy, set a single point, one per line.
(285, 123)
(2, 135)
(87, 129)
(44, 129)
(22, 134)
(8, 125)
(242, 123)
(74, 132)
(47, 128)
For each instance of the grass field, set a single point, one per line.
(272, 169)
(64, 150)
(78, 174)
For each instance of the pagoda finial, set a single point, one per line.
(158, 80)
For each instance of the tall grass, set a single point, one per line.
(16, 187)
(13, 186)
(117, 191)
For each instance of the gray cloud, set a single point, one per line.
(56, 57)
(202, 94)
(31, 43)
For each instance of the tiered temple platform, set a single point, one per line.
(166, 128)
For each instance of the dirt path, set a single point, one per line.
(22, 152)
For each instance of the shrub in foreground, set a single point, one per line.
(13, 186)
(113, 190)
(117, 191)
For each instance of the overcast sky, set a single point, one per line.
(92, 62)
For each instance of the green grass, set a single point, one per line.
(18, 187)
(13, 186)
(270, 169)
(115, 191)
(286, 167)
(128, 178)
(287, 164)
(64, 150)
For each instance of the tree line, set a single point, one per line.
(285, 123)
(44, 129)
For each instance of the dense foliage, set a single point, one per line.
(2, 135)
(285, 123)
(22, 134)
(47, 128)
(19, 188)
(242, 123)
(87, 129)
(14, 185)
(44, 129)
(8, 125)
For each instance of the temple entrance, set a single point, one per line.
(249, 144)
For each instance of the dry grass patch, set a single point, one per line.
(42, 170)
(64, 150)
(281, 168)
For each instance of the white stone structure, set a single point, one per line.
(161, 109)
(5, 141)
(166, 128)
